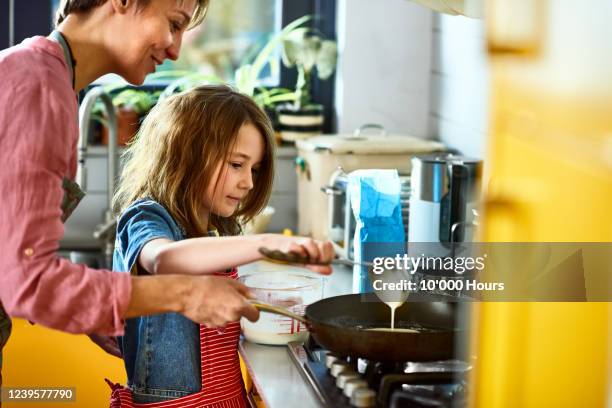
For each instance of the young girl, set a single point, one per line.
(202, 163)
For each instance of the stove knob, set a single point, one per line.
(339, 367)
(353, 384)
(362, 365)
(330, 359)
(363, 397)
(344, 377)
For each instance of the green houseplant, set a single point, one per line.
(248, 76)
(131, 104)
(247, 79)
(305, 50)
(179, 80)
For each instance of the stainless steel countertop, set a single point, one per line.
(278, 381)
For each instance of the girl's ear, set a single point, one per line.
(122, 6)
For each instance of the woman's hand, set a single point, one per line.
(210, 300)
(215, 301)
(320, 253)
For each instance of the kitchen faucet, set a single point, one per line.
(106, 230)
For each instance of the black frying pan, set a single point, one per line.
(338, 324)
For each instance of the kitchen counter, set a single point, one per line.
(274, 374)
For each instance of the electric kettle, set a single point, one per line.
(444, 193)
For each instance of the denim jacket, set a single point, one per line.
(161, 352)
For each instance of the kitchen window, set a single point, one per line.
(232, 31)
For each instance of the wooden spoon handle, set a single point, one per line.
(265, 307)
(292, 258)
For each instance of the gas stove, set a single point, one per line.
(355, 382)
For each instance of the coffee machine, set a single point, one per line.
(444, 193)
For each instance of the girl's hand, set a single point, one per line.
(320, 253)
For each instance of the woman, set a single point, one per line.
(38, 136)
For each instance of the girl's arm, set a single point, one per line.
(206, 255)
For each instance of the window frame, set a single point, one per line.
(30, 21)
(323, 92)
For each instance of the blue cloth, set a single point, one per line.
(161, 352)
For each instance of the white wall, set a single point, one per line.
(459, 84)
(385, 65)
(414, 71)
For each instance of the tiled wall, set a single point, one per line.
(414, 71)
(385, 64)
(459, 84)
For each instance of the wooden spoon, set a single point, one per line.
(274, 255)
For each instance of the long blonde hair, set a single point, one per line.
(177, 149)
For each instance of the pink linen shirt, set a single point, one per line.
(38, 144)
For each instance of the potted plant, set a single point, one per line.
(130, 106)
(269, 99)
(248, 76)
(305, 50)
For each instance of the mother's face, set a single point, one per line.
(150, 35)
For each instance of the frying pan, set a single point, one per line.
(339, 324)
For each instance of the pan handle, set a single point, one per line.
(265, 307)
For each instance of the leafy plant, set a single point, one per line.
(130, 105)
(182, 80)
(141, 101)
(135, 99)
(248, 76)
(267, 97)
(305, 49)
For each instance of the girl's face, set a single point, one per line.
(149, 35)
(234, 179)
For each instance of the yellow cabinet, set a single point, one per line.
(39, 357)
(550, 180)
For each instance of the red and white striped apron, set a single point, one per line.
(222, 385)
